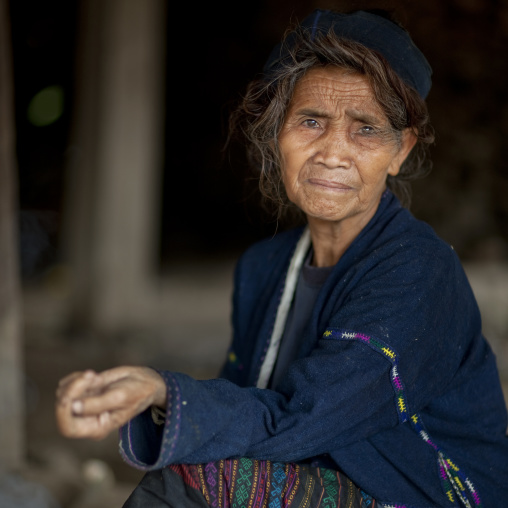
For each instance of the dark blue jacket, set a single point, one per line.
(394, 384)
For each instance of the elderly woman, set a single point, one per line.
(358, 374)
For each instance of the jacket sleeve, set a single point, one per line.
(391, 345)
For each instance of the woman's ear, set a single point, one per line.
(407, 142)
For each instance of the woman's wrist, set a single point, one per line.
(160, 391)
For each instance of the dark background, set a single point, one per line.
(212, 52)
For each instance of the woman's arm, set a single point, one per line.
(347, 389)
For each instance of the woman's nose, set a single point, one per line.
(334, 149)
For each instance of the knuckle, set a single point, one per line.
(121, 397)
(117, 420)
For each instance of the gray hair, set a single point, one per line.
(260, 115)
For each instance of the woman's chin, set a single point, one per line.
(332, 210)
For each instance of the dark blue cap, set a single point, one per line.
(373, 31)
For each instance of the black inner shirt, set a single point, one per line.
(310, 281)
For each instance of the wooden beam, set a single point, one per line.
(12, 439)
(114, 181)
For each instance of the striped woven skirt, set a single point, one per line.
(247, 483)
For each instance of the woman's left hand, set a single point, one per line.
(91, 405)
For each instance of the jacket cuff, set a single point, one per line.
(146, 445)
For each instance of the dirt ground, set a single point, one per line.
(79, 474)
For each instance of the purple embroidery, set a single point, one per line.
(452, 478)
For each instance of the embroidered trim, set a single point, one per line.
(170, 434)
(390, 355)
(172, 425)
(455, 483)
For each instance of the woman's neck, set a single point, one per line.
(331, 239)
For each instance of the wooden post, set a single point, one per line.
(112, 192)
(11, 370)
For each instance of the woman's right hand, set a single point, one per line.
(91, 405)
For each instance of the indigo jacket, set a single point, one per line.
(394, 384)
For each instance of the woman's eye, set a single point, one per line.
(367, 129)
(313, 124)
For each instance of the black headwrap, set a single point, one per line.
(373, 31)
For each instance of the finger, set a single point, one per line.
(116, 374)
(101, 379)
(76, 386)
(105, 376)
(65, 380)
(75, 375)
(114, 399)
(109, 421)
(106, 423)
(90, 427)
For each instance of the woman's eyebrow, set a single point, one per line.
(315, 113)
(363, 116)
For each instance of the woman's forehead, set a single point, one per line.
(333, 87)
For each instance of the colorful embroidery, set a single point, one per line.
(189, 476)
(390, 355)
(243, 482)
(247, 483)
(331, 484)
(276, 485)
(453, 480)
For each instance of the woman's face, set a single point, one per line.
(338, 147)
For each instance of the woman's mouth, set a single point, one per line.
(329, 184)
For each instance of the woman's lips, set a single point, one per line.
(329, 184)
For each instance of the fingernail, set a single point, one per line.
(77, 407)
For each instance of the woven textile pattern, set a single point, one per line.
(248, 483)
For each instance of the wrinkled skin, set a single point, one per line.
(91, 405)
(338, 149)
